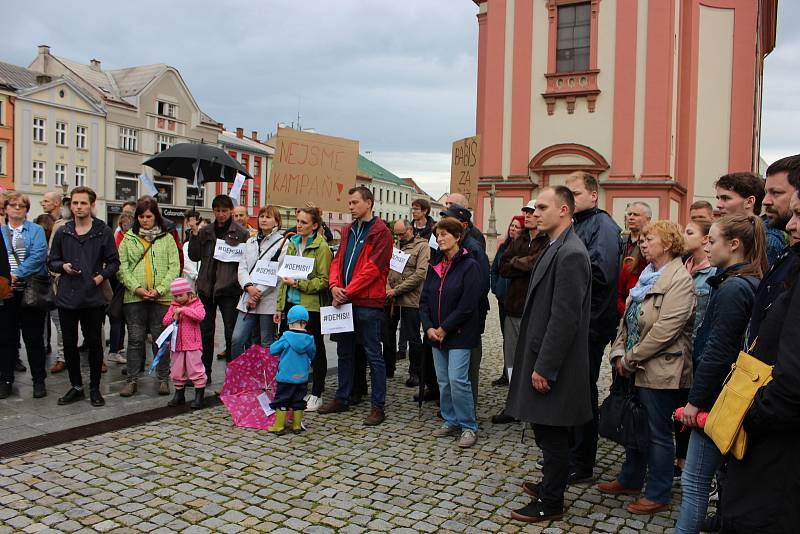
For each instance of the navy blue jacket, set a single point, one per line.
(499, 285)
(720, 334)
(601, 235)
(770, 288)
(452, 302)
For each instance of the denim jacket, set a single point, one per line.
(35, 262)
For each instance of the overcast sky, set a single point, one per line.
(398, 76)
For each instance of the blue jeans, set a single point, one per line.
(702, 461)
(245, 322)
(657, 463)
(455, 389)
(368, 323)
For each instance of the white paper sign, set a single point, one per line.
(433, 243)
(264, 401)
(148, 184)
(399, 260)
(225, 252)
(165, 335)
(296, 267)
(236, 189)
(265, 273)
(336, 320)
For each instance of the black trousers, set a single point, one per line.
(290, 395)
(410, 322)
(583, 439)
(319, 365)
(227, 307)
(90, 321)
(30, 323)
(554, 444)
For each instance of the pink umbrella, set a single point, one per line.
(249, 388)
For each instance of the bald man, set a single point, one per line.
(240, 216)
(51, 204)
(460, 200)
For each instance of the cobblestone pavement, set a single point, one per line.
(197, 473)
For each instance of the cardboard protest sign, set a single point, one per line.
(309, 167)
(464, 164)
(296, 267)
(336, 319)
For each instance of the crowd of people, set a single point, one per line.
(670, 307)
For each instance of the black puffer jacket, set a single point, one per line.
(92, 253)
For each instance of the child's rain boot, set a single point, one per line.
(279, 427)
(198, 399)
(297, 426)
(178, 399)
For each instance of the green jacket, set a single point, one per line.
(156, 270)
(314, 290)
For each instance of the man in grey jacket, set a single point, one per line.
(550, 378)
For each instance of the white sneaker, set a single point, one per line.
(313, 403)
(307, 397)
(116, 357)
(468, 439)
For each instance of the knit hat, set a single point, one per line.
(180, 286)
(297, 313)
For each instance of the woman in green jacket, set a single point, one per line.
(149, 262)
(311, 293)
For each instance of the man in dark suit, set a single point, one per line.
(550, 378)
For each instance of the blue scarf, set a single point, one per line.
(647, 280)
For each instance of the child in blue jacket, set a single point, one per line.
(296, 350)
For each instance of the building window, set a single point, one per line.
(380, 194)
(193, 193)
(243, 197)
(80, 175)
(38, 173)
(2, 111)
(61, 174)
(39, 130)
(61, 133)
(165, 192)
(164, 142)
(573, 38)
(167, 109)
(80, 137)
(2, 156)
(127, 139)
(394, 197)
(256, 167)
(126, 188)
(256, 196)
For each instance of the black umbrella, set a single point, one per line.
(180, 160)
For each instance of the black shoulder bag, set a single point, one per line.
(623, 417)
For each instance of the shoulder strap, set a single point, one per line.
(146, 249)
(262, 255)
(6, 232)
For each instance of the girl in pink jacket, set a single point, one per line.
(187, 361)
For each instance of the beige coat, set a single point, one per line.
(663, 357)
(408, 285)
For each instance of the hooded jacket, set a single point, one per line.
(92, 253)
(408, 284)
(314, 290)
(367, 286)
(159, 265)
(192, 314)
(449, 300)
(296, 350)
(216, 278)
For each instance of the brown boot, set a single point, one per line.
(333, 406)
(128, 389)
(58, 367)
(645, 506)
(615, 488)
(376, 416)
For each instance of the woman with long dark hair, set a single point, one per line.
(149, 262)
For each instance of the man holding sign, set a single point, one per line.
(358, 275)
(407, 273)
(219, 248)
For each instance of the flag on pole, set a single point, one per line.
(236, 189)
(148, 184)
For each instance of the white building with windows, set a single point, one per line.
(393, 195)
(256, 157)
(149, 108)
(59, 134)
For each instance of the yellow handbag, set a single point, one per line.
(725, 421)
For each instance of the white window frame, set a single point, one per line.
(39, 130)
(60, 172)
(170, 109)
(80, 175)
(81, 137)
(39, 169)
(2, 110)
(2, 155)
(164, 142)
(128, 139)
(61, 133)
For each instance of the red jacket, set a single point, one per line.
(367, 287)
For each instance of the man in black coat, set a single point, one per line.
(601, 235)
(550, 378)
